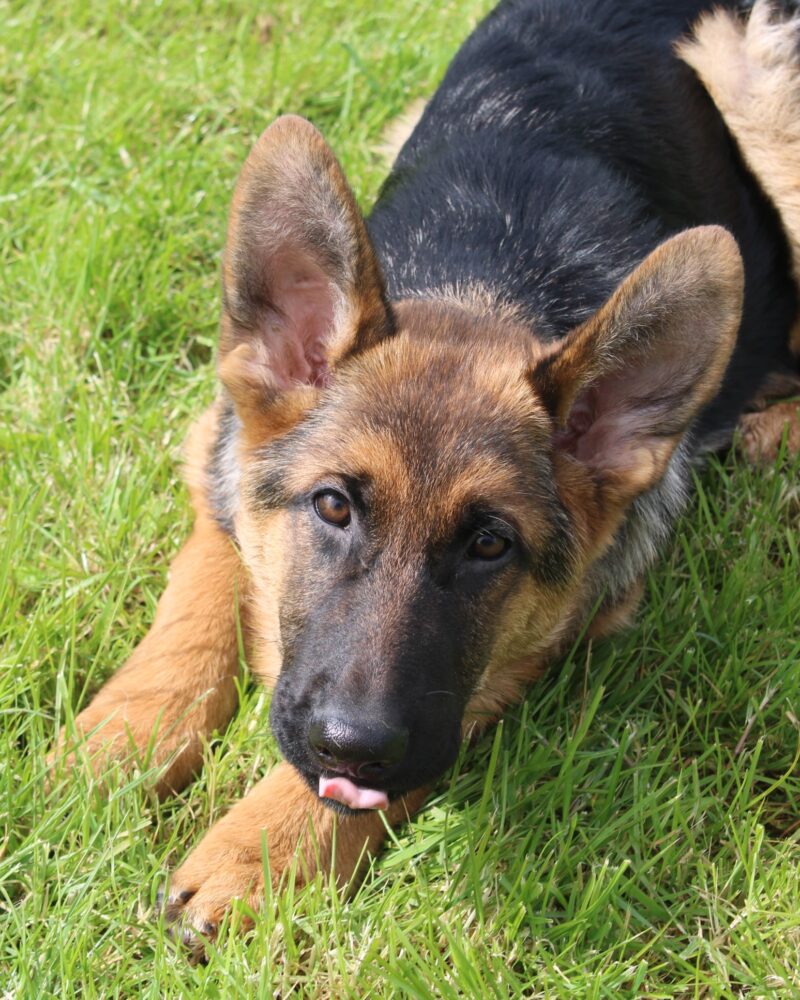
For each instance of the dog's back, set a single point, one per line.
(565, 142)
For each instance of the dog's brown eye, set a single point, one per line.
(487, 545)
(333, 508)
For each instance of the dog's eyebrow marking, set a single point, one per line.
(364, 454)
(270, 492)
(269, 487)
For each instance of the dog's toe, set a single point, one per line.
(191, 930)
(173, 904)
(195, 941)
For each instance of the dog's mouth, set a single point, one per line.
(347, 793)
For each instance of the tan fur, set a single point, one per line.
(752, 71)
(283, 815)
(178, 686)
(505, 681)
(618, 616)
(267, 543)
(508, 678)
(241, 371)
(761, 434)
(398, 132)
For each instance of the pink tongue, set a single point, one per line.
(343, 790)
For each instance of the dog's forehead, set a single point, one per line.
(429, 424)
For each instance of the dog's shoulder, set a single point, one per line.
(565, 142)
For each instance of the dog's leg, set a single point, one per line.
(615, 617)
(751, 68)
(178, 686)
(284, 817)
(761, 434)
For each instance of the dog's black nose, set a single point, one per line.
(363, 749)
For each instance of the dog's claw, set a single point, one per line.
(191, 937)
(195, 943)
(172, 905)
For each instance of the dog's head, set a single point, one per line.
(424, 486)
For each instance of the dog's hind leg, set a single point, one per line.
(751, 69)
(761, 435)
(179, 685)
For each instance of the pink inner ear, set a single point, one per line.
(611, 419)
(571, 436)
(300, 329)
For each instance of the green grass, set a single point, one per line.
(630, 831)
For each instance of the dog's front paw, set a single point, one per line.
(201, 892)
(228, 863)
(301, 835)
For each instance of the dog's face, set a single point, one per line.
(424, 486)
(406, 526)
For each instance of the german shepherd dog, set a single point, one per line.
(454, 436)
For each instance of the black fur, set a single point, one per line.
(565, 142)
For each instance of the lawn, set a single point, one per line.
(630, 831)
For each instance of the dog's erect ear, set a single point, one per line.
(301, 285)
(624, 386)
